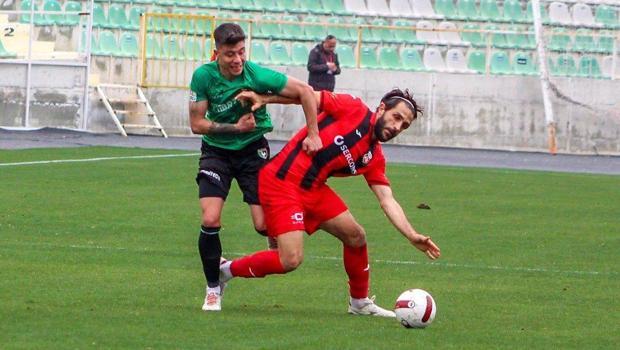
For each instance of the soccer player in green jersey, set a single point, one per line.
(233, 145)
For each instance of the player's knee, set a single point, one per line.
(357, 238)
(291, 260)
(210, 220)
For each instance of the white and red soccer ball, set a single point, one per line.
(415, 308)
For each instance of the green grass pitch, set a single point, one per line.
(103, 255)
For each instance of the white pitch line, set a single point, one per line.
(54, 161)
(375, 261)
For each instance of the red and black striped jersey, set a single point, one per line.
(345, 127)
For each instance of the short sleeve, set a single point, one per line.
(265, 79)
(376, 171)
(198, 85)
(332, 102)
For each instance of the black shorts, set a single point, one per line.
(218, 166)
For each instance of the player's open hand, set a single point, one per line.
(252, 98)
(246, 123)
(427, 246)
(312, 144)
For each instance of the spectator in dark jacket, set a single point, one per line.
(323, 65)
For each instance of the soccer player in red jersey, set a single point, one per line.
(296, 198)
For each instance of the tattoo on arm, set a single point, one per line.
(223, 128)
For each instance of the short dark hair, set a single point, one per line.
(396, 95)
(329, 37)
(228, 34)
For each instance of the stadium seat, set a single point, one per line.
(474, 38)
(450, 36)
(565, 66)
(202, 26)
(500, 63)
(4, 53)
(523, 64)
(71, 20)
(334, 7)
(476, 61)
(558, 13)
(292, 31)
(519, 40)
(278, 54)
(497, 39)
(341, 33)
(401, 8)
(410, 60)
(314, 31)
(424, 32)
(378, 8)
(606, 16)
(117, 18)
(181, 25)
(388, 58)
(381, 34)
(171, 48)
(299, 56)
(447, 9)
(584, 42)
(357, 7)
(267, 30)
(560, 40)
(129, 45)
(244, 5)
(345, 56)
(589, 67)
(405, 35)
(607, 69)
(153, 48)
(108, 45)
(605, 42)
(468, 10)
(291, 6)
(266, 5)
(513, 11)
(25, 18)
(99, 18)
(456, 61)
(367, 35)
(51, 19)
(529, 16)
(582, 15)
(192, 49)
(160, 24)
(259, 53)
(133, 21)
(368, 58)
(424, 9)
(433, 59)
(489, 11)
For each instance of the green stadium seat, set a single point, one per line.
(589, 68)
(185, 3)
(405, 35)
(476, 61)
(497, 39)
(71, 20)
(210, 4)
(529, 16)
(565, 66)
(153, 48)
(292, 6)
(381, 34)
(560, 40)
(500, 63)
(108, 46)
(489, 11)
(51, 19)
(25, 18)
(160, 24)
(266, 5)
(192, 49)
(513, 11)
(117, 18)
(292, 31)
(605, 42)
(133, 21)
(245, 24)
(341, 33)
(267, 30)
(129, 45)
(519, 40)
(474, 38)
(99, 18)
(467, 9)
(278, 54)
(314, 31)
(607, 16)
(335, 7)
(243, 5)
(171, 48)
(447, 9)
(299, 56)
(584, 42)
(180, 25)
(259, 53)
(202, 26)
(345, 56)
(367, 35)
(368, 58)
(523, 64)
(410, 60)
(388, 58)
(4, 53)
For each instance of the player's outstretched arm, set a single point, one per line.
(397, 217)
(200, 125)
(257, 100)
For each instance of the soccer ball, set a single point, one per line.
(415, 308)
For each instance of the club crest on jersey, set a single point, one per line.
(367, 158)
(263, 153)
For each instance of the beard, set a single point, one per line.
(379, 127)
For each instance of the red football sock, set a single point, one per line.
(358, 269)
(259, 264)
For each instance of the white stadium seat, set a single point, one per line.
(426, 35)
(582, 16)
(558, 13)
(357, 7)
(424, 8)
(433, 60)
(607, 67)
(456, 61)
(379, 7)
(401, 8)
(452, 38)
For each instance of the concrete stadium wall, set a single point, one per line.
(468, 111)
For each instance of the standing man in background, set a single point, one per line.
(323, 65)
(233, 145)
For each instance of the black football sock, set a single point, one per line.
(210, 253)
